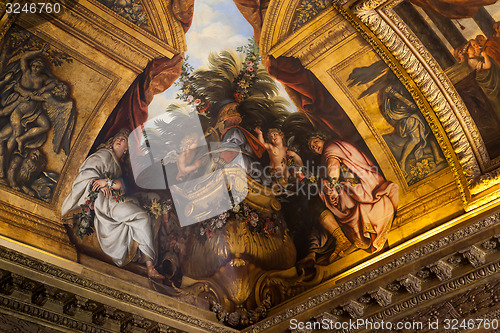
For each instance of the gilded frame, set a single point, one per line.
(476, 176)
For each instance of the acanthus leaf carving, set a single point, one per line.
(412, 283)
(382, 296)
(474, 255)
(442, 270)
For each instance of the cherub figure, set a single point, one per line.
(186, 162)
(278, 152)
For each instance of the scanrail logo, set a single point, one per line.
(386, 326)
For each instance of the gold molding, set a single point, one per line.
(475, 174)
(480, 180)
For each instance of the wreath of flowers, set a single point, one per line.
(188, 94)
(241, 85)
(85, 218)
(243, 214)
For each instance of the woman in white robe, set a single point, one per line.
(121, 225)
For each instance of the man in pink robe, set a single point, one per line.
(362, 203)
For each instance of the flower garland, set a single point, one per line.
(210, 226)
(85, 219)
(241, 85)
(243, 214)
(256, 223)
(245, 79)
(156, 208)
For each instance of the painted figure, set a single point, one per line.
(361, 203)
(32, 99)
(278, 152)
(123, 228)
(186, 161)
(487, 73)
(409, 124)
(240, 140)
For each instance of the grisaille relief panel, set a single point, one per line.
(403, 127)
(382, 110)
(44, 107)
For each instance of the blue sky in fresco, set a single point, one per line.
(217, 25)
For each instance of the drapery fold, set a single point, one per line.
(254, 12)
(314, 98)
(183, 11)
(132, 110)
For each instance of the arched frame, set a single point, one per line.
(475, 175)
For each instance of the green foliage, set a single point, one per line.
(85, 219)
(234, 76)
(251, 51)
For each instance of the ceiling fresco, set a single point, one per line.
(239, 166)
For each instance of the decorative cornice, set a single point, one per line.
(132, 52)
(426, 205)
(54, 318)
(115, 294)
(459, 126)
(410, 258)
(396, 53)
(436, 292)
(6, 20)
(33, 223)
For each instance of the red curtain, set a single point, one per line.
(314, 99)
(454, 9)
(132, 110)
(183, 11)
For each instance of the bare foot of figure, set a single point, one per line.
(153, 273)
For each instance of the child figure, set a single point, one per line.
(278, 152)
(186, 162)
